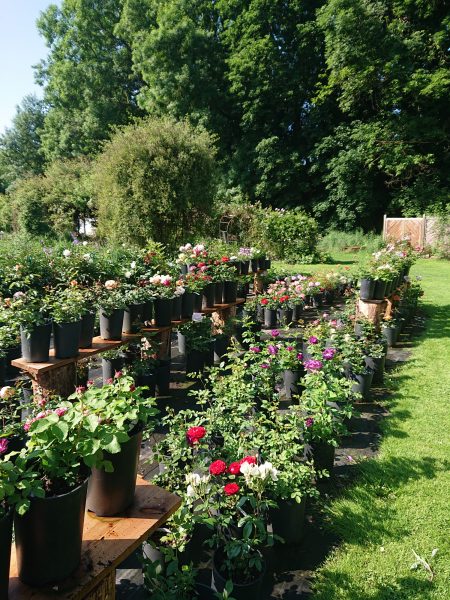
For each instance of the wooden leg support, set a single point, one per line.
(105, 590)
(59, 382)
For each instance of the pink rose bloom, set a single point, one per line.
(60, 411)
(3, 445)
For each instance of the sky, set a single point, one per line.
(20, 47)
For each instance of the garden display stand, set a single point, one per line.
(373, 310)
(107, 542)
(58, 375)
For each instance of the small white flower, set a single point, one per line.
(6, 392)
(133, 264)
(87, 256)
(85, 243)
(111, 284)
(67, 253)
(128, 274)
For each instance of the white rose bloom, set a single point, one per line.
(7, 392)
(67, 253)
(156, 279)
(133, 264)
(267, 470)
(179, 290)
(128, 274)
(190, 492)
(86, 256)
(111, 284)
(85, 243)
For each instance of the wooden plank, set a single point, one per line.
(222, 307)
(107, 541)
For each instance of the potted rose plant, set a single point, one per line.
(112, 306)
(163, 293)
(67, 307)
(291, 364)
(31, 311)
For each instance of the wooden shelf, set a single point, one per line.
(220, 307)
(107, 541)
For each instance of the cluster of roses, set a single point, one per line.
(327, 354)
(59, 412)
(220, 467)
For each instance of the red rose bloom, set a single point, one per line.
(234, 468)
(195, 434)
(264, 301)
(225, 259)
(231, 488)
(218, 467)
(251, 460)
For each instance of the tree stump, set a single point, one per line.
(373, 310)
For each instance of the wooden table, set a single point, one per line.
(107, 541)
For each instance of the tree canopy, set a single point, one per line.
(338, 107)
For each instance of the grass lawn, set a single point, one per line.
(400, 501)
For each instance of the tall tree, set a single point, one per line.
(20, 145)
(388, 68)
(88, 79)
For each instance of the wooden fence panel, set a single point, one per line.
(400, 228)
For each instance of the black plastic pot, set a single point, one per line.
(36, 343)
(323, 456)
(229, 292)
(181, 343)
(221, 345)
(285, 316)
(111, 493)
(270, 317)
(218, 292)
(184, 269)
(163, 311)
(390, 334)
(111, 325)
(147, 313)
(247, 591)
(268, 264)
(389, 288)
(198, 302)
(133, 318)
(6, 524)
(2, 370)
(66, 337)
(208, 295)
(245, 266)
(187, 305)
(195, 360)
(254, 262)
(11, 354)
(379, 289)
(163, 378)
(376, 365)
(204, 592)
(288, 520)
(48, 537)
(291, 383)
(110, 366)
(260, 313)
(367, 288)
(297, 312)
(362, 383)
(177, 303)
(262, 263)
(317, 300)
(87, 330)
(148, 380)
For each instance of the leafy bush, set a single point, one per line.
(155, 179)
(53, 203)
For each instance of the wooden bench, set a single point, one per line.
(107, 542)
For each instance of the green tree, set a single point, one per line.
(387, 69)
(155, 180)
(88, 79)
(20, 145)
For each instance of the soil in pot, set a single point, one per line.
(111, 325)
(187, 305)
(163, 311)
(87, 330)
(270, 318)
(367, 288)
(110, 366)
(48, 537)
(208, 295)
(288, 520)
(66, 337)
(133, 318)
(111, 493)
(241, 591)
(6, 524)
(323, 456)
(35, 344)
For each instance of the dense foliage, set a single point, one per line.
(155, 180)
(339, 107)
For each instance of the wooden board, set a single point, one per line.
(107, 541)
(222, 307)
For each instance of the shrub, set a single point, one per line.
(155, 180)
(336, 240)
(53, 203)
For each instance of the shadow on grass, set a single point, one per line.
(403, 588)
